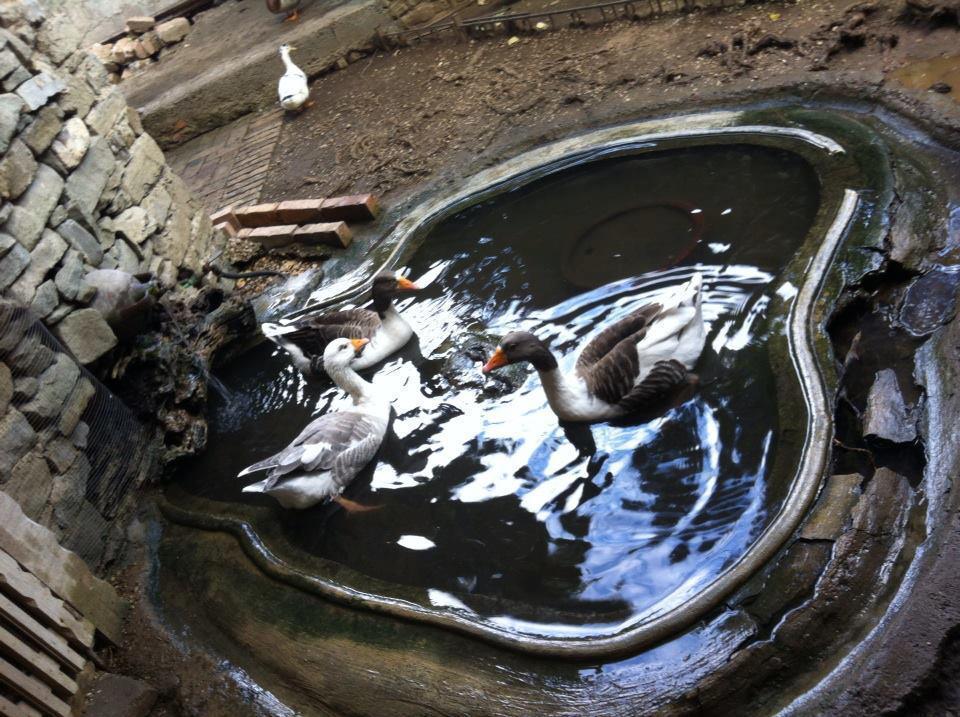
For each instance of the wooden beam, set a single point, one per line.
(36, 597)
(33, 691)
(52, 643)
(9, 709)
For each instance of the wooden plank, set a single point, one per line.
(33, 691)
(9, 709)
(43, 666)
(64, 572)
(30, 592)
(52, 643)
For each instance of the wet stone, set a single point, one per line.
(832, 510)
(790, 581)
(930, 302)
(887, 416)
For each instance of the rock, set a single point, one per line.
(101, 52)
(135, 224)
(10, 106)
(105, 113)
(44, 128)
(133, 119)
(38, 90)
(59, 313)
(76, 405)
(58, 37)
(12, 265)
(887, 415)
(70, 276)
(55, 386)
(16, 438)
(7, 243)
(45, 299)
(121, 696)
(86, 334)
(61, 454)
(17, 170)
(140, 24)
(930, 302)
(157, 204)
(43, 258)
(87, 182)
(6, 388)
(78, 99)
(121, 138)
(31, 357)
(144, 168)
(941, 88)
(29, 484)
(8, 63)
(93, 72)
(25, 388)
(80, 434)
(71, 144)
(827, 519)
(173, 31)
(29, 216)
(149, 45)
(124, 50)
(81, 240)
(16, 78)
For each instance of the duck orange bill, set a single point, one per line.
(406, 285)
(359, 343)
(496, 361)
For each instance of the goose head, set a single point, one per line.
(339, 353)
(521, 347)
(286, 48)
(386, 286)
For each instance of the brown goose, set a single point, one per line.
(291, 7)
(383, 327)
(628, 365)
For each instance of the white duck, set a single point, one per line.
(384, 327)
(627, 366)
(292, 88)
(333, 448)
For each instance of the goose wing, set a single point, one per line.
(611, 337)
(314, 333)
(341, 442)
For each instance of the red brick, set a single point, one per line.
(331, 233)
(273, 236)
(259, 215)
(225, 216)
(356, 208)
(299, 211)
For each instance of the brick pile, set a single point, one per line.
(142, 45)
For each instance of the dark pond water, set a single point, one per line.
(485, 499)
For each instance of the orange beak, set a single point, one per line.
(358, 345)
(496, 361)
(406, 285)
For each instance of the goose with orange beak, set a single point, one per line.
(321, 461)
(628, 366)
(383, 327)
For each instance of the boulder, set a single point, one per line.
(29, 484)
(33, 208)
(78, 99)
(8, 63)
(105, 113)
(71, 144)
(86, 334)
(76, 405)
(39, 89)
(17, 170)
(45, 299)
(887, 415)
(173, 31)
(70, 276)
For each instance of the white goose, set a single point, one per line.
(292, 88)
(627, 366)
(384, 327)
(333, 448)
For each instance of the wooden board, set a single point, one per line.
(9, 709)
(36, 598)
(50, 642)
(33, 691)
(43, 667)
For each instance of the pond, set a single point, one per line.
(484, 501)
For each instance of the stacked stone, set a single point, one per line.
(141, 46)
(82, 186)
(45, 459)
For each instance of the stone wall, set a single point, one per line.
(83, 187)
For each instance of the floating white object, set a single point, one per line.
(415, 542)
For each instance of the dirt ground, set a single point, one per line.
(394, 120)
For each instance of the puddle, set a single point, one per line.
(486, 503)
(923, 74)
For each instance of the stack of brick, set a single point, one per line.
(82, 186)
(303, 221)
(141, 46)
